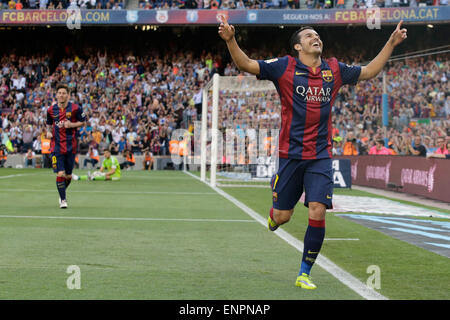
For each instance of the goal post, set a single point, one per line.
(239, 129)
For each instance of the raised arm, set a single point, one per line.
(376, 65)
(242, 61)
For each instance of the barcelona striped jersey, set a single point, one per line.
(64, 140)
(307, 96)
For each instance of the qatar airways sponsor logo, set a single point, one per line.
(424, 178)
(314, 94)
(378, 172)
(59, 124)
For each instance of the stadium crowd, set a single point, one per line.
(419, 104)
(62, 4)
(134, 102)
(282, 4)
(214, 4)
(127, 107)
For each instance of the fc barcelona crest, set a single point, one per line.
(162, 16)
(68, 115)
(327, 75)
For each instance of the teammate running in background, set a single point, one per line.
(63, 120)
(307, 86)
(110, 170)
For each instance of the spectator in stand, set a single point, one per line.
(3, 155)
(32, 4)
(27, 138)
(30, 159)
(148, 161)
(418, 149)
(43, 4)
(340, 4)
(337, 146)
(350, 148)
(392, 148)
(84, 144)
(122, 144)
(92, 157)
(441, 155)
(442, 148)
(129, 161)
(114, 148)
(379, 149)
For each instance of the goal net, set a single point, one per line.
(240, 124)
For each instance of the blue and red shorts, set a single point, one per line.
(63, 162)
(315, 177)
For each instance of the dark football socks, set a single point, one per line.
(315, 233)
(61, 186)
(68, 181)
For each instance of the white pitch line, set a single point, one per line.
(340, 274)
(17, 175)
(123, 219)
(112, 191)
(222, 185)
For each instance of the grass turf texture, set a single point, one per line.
(175, 259)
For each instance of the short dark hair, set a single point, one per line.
(295, 38)
(62, 86)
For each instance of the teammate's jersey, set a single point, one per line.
(307, 96)
(64, 140)
(112, 163)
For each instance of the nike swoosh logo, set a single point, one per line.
(328, 197)
(312, 252)
(300, 73)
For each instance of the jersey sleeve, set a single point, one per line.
(272, 69)
(349, 73)
(81, 116)
(49, 118)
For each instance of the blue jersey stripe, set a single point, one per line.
(299, 112)
(306, 97)
(325, 109)
(56, 131)
(69, 131)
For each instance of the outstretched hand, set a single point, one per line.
(226, 31)
(398, 35)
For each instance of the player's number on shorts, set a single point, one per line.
(54, 160)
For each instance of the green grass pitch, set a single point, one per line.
(165, 235)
